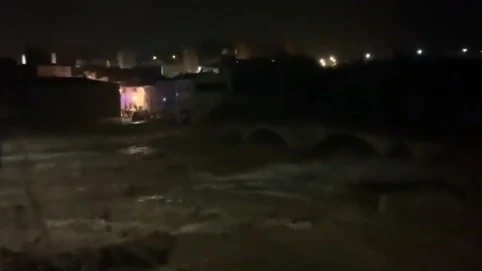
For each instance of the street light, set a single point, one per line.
(322, 62)
(368, 56)
(173, 56)
(465, 50)
(419, 52)
(154, 57)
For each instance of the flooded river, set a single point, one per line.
(230, 207)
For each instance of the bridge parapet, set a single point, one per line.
(320, 137)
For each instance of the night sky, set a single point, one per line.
(342, 27)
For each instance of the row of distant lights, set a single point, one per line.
(369, 56)
(333, 61)
(199, 68)
(155, 57)
(418, 52)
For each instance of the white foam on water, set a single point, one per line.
(288, 223)
(273, 194)
(138, 150)
(214, 186)
(82, 226)
(150, 198)
(81, 142)
(309, 180)
(42, 156)
(213, 227)
(345, 171)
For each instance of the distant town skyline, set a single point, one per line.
(341, 27)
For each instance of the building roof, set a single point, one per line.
(135, 77)
(64, 80)
(199, 76)
(144, 80)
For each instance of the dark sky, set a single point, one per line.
(342, 27)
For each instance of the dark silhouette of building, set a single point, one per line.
(36, 55)
(60, 102)
(8, 68)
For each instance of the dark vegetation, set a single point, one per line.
(51, 104)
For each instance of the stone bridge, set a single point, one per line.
(321, 139)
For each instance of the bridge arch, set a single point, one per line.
(265, 136)
(231, 136)
(400, 151)
(344, 145)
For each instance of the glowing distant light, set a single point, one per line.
(164, 99)
(199, 69)
(273, 60)
(322, 62)
(173, 56)
(53, 58)
(465, 50)
(154, 57)
(419, 52)
(24, 59)
(368, 56)
(333, 59)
